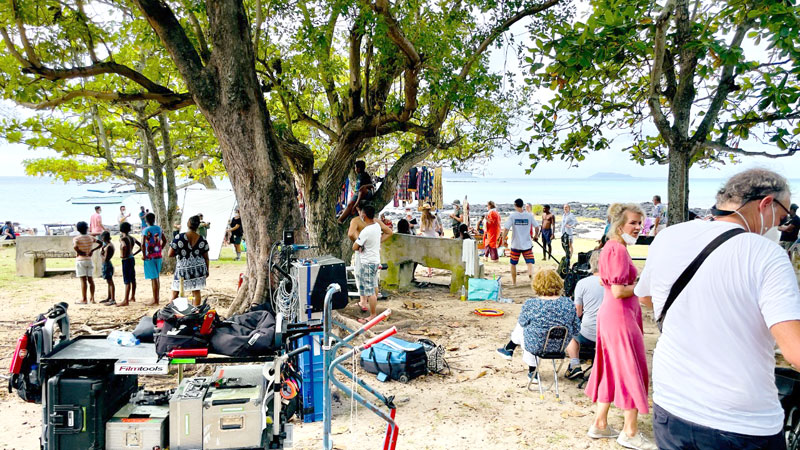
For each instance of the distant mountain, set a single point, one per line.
(610, 175)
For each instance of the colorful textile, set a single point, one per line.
(151, 242)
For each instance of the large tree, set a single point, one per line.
(345, 74)
(102, 143)
(687, 82)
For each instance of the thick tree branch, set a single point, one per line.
(495, 32)
(97, 69)
(205, 54)
(686, 92)
(168, 101)
(724, 148)
(12, 49)
(653, 99)
(354, 94)
(726, 85)
(413, 63)
(173, 36)
(88, 40)
(26, 45)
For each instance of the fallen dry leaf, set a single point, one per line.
(452, 349)
(341, 430)
(469, 406)
(412, 305)
(455, 325)
(433, 332)
(473, 347)
(416, 332)
(568, 414)
(481, 374)
(513, 429)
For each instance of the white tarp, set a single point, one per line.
(216, 206)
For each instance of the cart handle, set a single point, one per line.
(385, 314)
(302, 349)
(390, 332)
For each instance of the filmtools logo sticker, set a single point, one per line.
(141, 367)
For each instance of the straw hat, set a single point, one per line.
(426, 206)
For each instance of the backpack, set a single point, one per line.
(397, 359)
(180, 328)
(248, 334)
(37, 341)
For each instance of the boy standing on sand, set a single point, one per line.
(548, 224)
(153, 242)
(108, 269)
(126, 243)
(82, 244)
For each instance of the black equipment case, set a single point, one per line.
(80, 400)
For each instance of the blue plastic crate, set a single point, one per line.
(311, 366)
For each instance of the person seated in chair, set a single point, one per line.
(588, 298)
(363, 191)
(550, 308)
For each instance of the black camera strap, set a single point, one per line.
(690, 270)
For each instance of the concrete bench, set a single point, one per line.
(401, 251)
(34, 251)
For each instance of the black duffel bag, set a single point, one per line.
(248, 334)
(179, 328)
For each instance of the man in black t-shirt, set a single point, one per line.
(790, 228)
(363, 190)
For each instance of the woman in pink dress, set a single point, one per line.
(620, 366)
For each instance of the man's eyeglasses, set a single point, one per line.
(785, 209)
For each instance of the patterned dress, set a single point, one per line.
(191, 265)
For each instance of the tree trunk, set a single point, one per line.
(324, 231)
(678, 183)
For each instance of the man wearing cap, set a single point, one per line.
(457, 218)
(790, 228)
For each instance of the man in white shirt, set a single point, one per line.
(589, 294)
(369, 245)
(713, 366)
(522, 223)
(123, 216)
(568, 224)
(659, 216)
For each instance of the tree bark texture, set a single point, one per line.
(678, 183)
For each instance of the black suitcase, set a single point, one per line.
(79, 402)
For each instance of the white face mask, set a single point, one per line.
(630, 240)
(773, 234)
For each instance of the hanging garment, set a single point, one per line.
(412, 179)
(438, 197)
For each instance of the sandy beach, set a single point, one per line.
(481, 404)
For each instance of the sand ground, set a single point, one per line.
(481, 404)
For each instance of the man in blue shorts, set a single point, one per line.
(522, 222)
(153, 242)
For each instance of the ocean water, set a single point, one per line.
(34, 201)
(702, 191)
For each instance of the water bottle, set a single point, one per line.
(463, 293)
(123, 338)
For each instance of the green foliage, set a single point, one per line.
(599, 74)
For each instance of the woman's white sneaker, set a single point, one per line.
(637, 442)
(606, 433)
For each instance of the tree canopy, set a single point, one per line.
(686, 82)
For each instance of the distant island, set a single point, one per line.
(610, 175)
